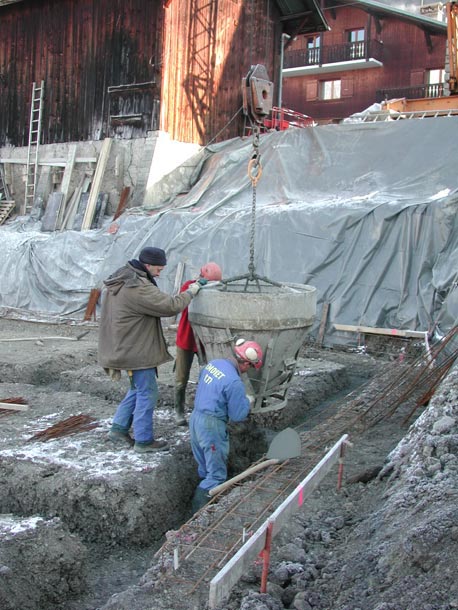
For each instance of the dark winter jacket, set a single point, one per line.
(130, 330)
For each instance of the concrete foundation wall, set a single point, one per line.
(155, 169)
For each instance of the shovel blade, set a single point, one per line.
(285, 445)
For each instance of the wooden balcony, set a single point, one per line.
(333, 57)
(411, 93)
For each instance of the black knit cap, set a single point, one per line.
(153, 256)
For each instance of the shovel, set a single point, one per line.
(284, 446)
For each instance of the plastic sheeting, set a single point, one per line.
(366, 213)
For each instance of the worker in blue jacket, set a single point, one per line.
(220, 397)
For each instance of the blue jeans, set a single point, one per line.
(137, 407)
(210, 447)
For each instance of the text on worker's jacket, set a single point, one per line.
(214, 371)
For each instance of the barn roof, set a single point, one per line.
(301, 17)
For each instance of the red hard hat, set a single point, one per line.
(211, 272)
(249, 351)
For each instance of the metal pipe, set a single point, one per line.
(284, 37)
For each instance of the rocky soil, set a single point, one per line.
(80, 522)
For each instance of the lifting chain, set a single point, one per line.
(254, 173)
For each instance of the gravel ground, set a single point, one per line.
(385, 541)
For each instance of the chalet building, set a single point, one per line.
(124, 69)
(372, 52)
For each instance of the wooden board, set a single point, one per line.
(65, 186)
(96, 184)
(82, 205)
(99, 212)
(12, 406)
(50, 218)
(393, 332)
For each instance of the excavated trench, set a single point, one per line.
(71, 504)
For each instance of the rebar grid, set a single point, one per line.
(399, 385)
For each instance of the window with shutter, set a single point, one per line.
(330, 89)
(347, 87)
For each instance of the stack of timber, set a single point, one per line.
(6, 207)
(84, 209)
(6, 203)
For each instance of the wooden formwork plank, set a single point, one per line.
(50, 219)
(394, 332)
(96, 184)
(80, 212)
(65, 186)
(221, 585)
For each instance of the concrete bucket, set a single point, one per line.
(277, 316)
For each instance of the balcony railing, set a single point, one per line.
(350, 51)
(410, 93)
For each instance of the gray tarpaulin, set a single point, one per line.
(366, 213)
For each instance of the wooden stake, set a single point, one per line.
(324, 317)
(92, 303)
(266, 557)
(122, 202)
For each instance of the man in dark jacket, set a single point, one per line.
(220, 397)
(131, 339)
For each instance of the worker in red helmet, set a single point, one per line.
(186, 345)
(220, 397)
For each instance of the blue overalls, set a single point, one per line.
(220, 396)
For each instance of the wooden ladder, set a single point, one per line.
(34, 143)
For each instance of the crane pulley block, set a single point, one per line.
(257, 91)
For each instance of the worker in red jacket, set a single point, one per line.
(186, 344)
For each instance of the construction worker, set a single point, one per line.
(186, 344)
(131, 339)
(220, 397)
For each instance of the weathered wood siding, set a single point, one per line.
(406, 57)
(79, 48)
(209, 46)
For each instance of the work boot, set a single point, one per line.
(120, 438)
(150, 447)
(199, 499)
(180, 419)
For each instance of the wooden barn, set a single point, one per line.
(112, 68)
(372, 52)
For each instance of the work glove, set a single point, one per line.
(251, 399)
(194, 288)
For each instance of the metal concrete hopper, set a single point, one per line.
(277, 316)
